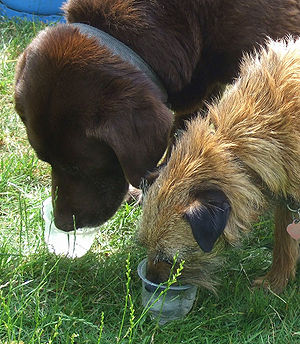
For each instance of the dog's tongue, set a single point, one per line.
(72, 244)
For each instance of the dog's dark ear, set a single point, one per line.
(139, 137)
(208, 216)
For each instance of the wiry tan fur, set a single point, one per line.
(248, 147)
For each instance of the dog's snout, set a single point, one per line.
(158, 272)
(68, 219)
(66, 223)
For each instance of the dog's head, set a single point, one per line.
(191, 229)
(199, 201)
(96, 119)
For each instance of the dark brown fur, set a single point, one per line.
(85, 121)
(227, 169)
(97, 120)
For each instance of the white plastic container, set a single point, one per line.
(174, 304)
(72, 244)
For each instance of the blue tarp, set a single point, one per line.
(11, 13)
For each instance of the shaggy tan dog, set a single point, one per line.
(227, 169)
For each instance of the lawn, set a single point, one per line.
(96, 299)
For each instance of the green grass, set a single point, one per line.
(96, 299)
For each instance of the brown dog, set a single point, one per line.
(227, 169)
(101, 122)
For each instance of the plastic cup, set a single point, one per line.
(165, 305)
(72, 244)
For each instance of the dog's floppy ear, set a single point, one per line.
(208, 216)
(139, 137)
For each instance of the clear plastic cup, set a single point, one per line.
(163, 305)
(72, 244)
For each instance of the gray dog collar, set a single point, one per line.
(120, 49)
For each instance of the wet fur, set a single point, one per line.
(247, 150)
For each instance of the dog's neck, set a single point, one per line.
(124, 52)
